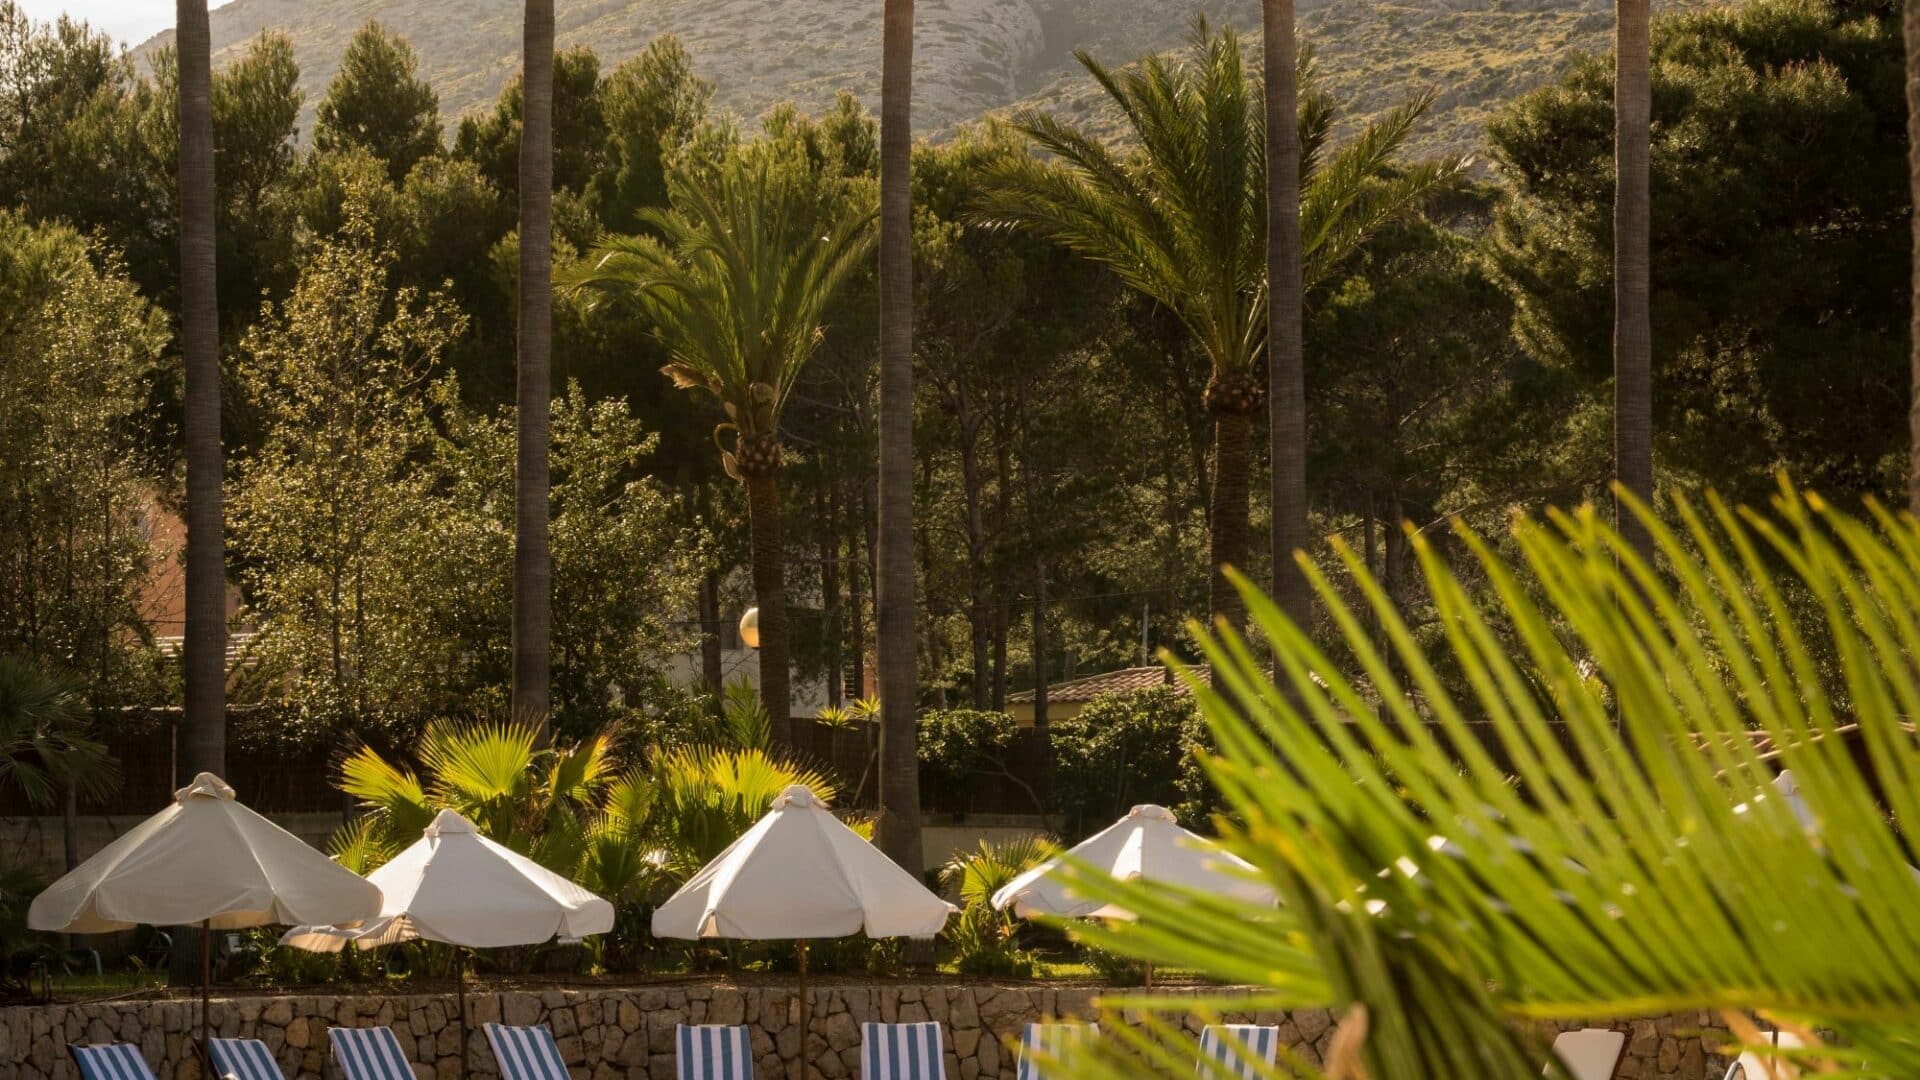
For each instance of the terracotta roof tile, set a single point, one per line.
(1124, 681)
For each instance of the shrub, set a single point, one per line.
(985, 941)
(1126, 749)
(955, 746)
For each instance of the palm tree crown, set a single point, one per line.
(736, 283)
(1181, 216)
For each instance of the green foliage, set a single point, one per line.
(985, 941)
(1611, 869)
(753, 251)
(378, 102)
(327, 511)
(704, 797)
(1780, 221)
(46, 741)
(1122, 750)
(956, 744)
(79, 358)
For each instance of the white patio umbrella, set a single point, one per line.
(1148, 844)
(459, 888)
(205, 859)
(800, 873)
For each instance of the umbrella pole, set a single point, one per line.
(460, 998)
(206, 992)
(1149, 985)
(803, 1006)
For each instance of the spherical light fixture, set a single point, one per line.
(750, 628)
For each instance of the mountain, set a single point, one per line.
(972, 56)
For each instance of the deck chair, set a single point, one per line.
(1590, 1053)
(712, 1052)
(243, 1059)
(1238, 1051)
(1050, 1041)
(902, 1052)
(526, 1053)
(110, 1061)
(371, 1053)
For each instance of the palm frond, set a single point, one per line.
(1561, 807)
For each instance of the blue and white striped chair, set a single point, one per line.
(243, 1059)
(526, 1053)
(1238, 1051)
(902, 1052)
(371, 1053)
(1051, 1041)
(111, 1061)
(713, 1052)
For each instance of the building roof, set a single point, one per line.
(1124, 681)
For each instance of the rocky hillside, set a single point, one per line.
(973, 56)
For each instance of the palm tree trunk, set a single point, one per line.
(1227, 519)
(1286, 365)
(532, 561)
(1910, 22)
(1632, 332)
(897, 827)
(204, 742)
(770, 594)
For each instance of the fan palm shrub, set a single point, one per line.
(736, 284)
(1576, 821)
(46, 737)
(1178, 211)
(985, 941)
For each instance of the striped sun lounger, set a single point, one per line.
(526, 1053)
(713, 1052)
(111, 1061)
(902, 1052)
(1051, 1041)
(371, 1053)
(243, 1059)
(1239, 1051)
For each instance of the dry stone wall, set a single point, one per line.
(628, 1034)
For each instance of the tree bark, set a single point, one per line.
(1632, 213)
(1286, 364)
(1227, 524)
(830, 588)
(532, 560)
(770, 594)
(1910, 24)
(897, 827)
(711, 671)
(203, 746)
(857, 565)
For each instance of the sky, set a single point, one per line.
(130, 21)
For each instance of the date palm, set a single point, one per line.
(1178, 211)
(736, 284)
(532, 555)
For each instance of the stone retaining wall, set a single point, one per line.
(627, 1034)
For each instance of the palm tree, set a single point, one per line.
(1182, 219)
(1460, 856)
(1910, 27)
(203, 744)
(1632, 215)
(895, 613)
(532, 559)
(1286, 362)
(747, 259)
